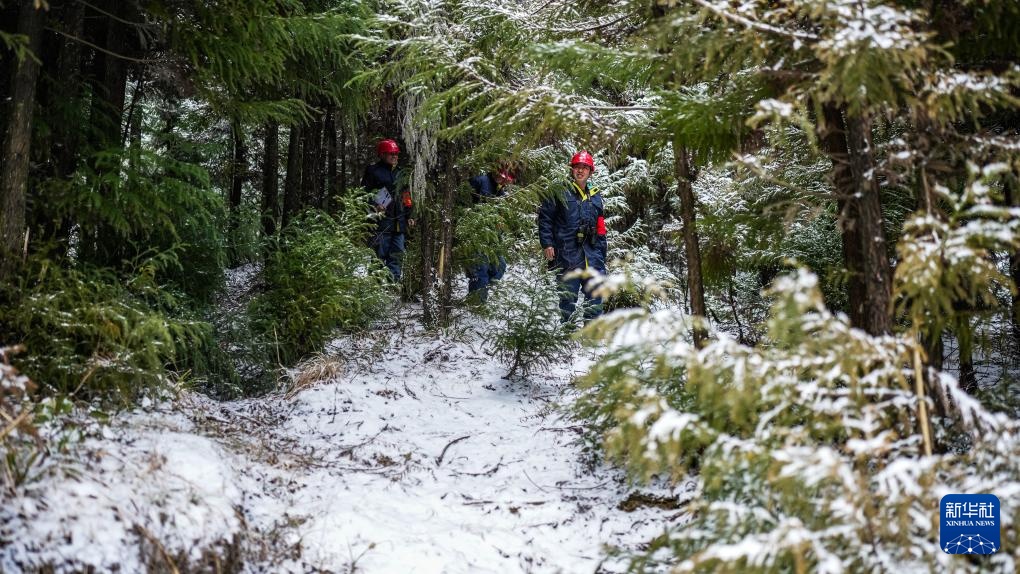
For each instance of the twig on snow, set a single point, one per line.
(350, 449)
(489, 472)
(439, 460)
(572, 428)
(410, 392)
(599, 485)
(533, 482)
(441, 395)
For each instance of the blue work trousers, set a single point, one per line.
(481, 275)
(568, 298)
(390, 248)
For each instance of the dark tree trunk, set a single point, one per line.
(165, 138)
(447, 228)
(936, 351)
(1013, 199)
(110, 88)
(692, 248)
(109, 91)
(60, 94)
(292, 184)
(331, 175)
(968, 376)
(133, 125)
(343, 158)
(430, 239)
(67, 136)
(17, 145)
(834, 143)
(311, 169)
(270, 180)
(877, 272)
(321, 188)
(238, 173)
(8, 23)
(428, 232)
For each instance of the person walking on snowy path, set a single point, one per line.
(484, 187)
(572, 232)
(394, 206)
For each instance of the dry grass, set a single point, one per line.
(315, 369)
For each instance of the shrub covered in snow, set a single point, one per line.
(811, 451)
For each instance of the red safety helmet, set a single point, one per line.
(387, 146)
(505, 174)
(583, 158)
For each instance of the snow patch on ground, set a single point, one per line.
(147, 477)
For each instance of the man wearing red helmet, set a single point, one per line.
(392, 200)
(572, 232)
(484, 187)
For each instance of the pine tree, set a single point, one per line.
(528, 336)
(17, 141)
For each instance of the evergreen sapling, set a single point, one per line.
(527, 335)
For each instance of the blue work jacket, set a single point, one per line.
(569, 222)
(380, 175)
(485, 187)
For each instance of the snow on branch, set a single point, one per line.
(721, 9)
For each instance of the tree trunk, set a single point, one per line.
(447, 227)
(133, 129)
(110, 87)
(69, 74)
(331, 176)
(270, 180)
(60, 103)
(17, 145)
(109, 91)
(239, 169)
(343, 158)
(427, 232)
(877, 272)
(164, 139)
(292, 185)
(8, 23)
(311, 170)
(934, 348)
(965, 342)
(833, 141)
(321, 189)
(430, 242)
(692, 248)
(1013, 199)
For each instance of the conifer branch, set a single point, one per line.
(542, 7)
(591, 28)
(113, 16)
(101, 49)
(623, 108)
(754, 24)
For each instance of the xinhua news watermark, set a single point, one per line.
(970, 524)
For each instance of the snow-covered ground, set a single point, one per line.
(407, 453)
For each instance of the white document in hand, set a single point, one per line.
(383, 198)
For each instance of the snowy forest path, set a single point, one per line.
(398, 450)
(416, 456)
